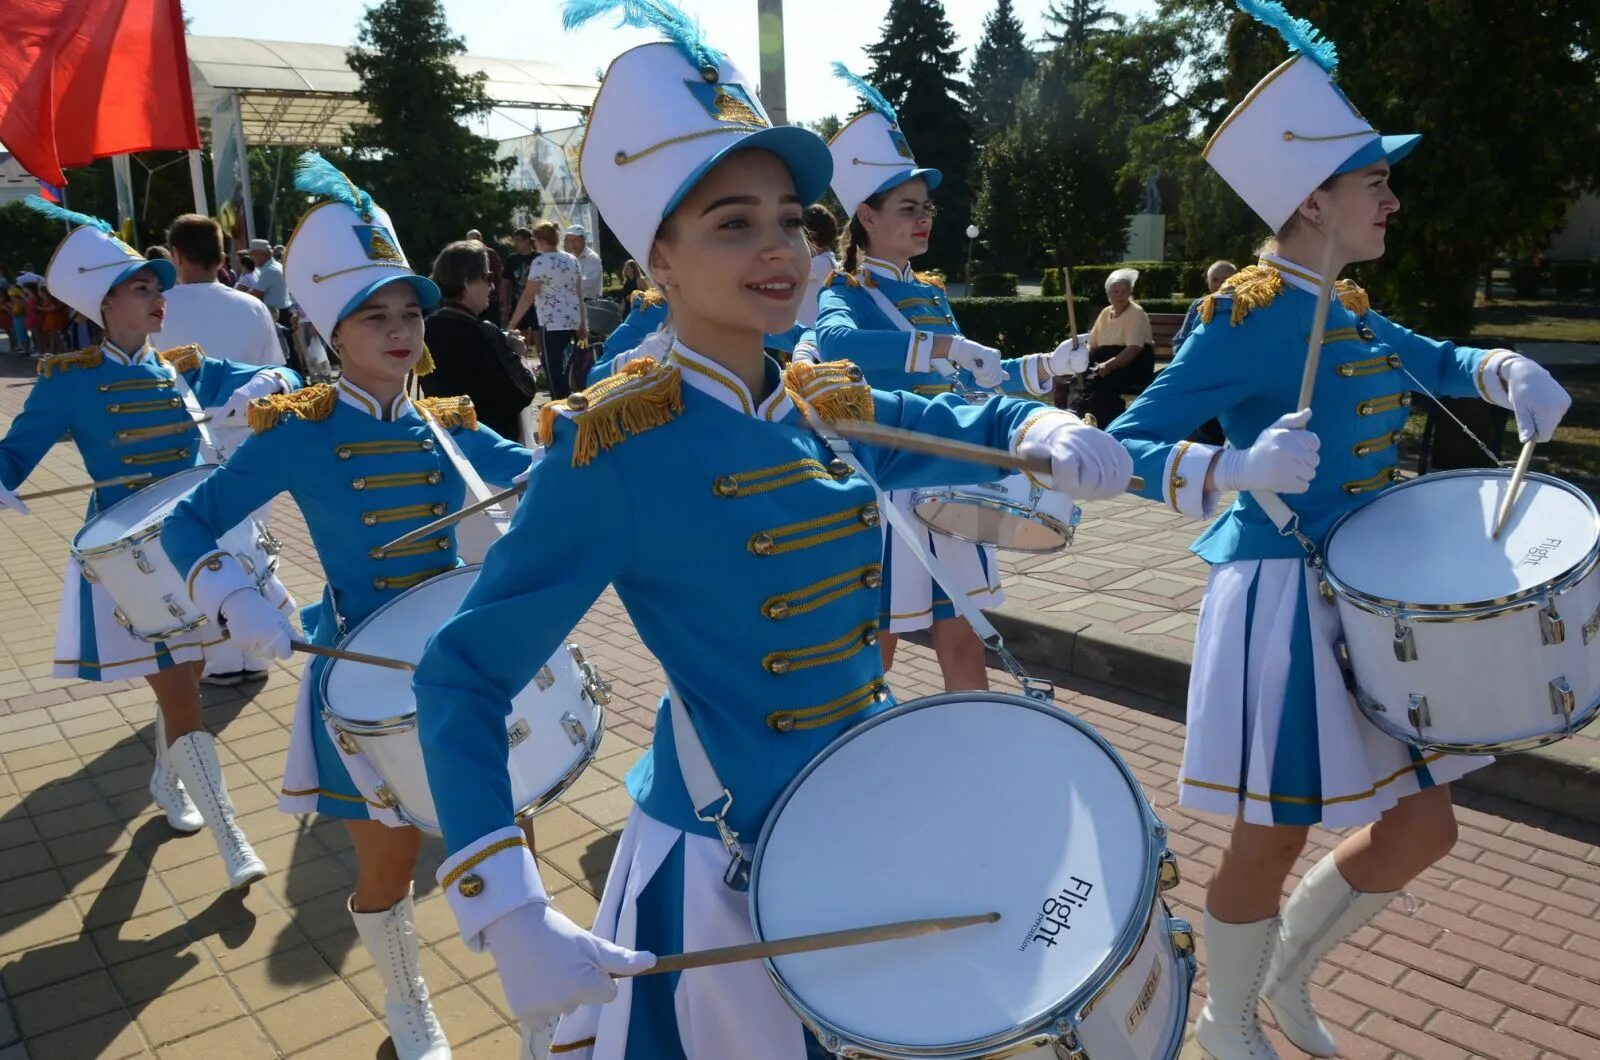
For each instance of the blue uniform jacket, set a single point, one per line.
(1243, 365)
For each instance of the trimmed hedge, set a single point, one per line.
(1570, 277)
(1526, 279)
(994, 285)
(1157, 279)
(1032, 325)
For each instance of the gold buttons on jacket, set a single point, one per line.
(726, 486)
(761, 544)
(873, 578)
(869, 514)
(783, 723)
(342, 452)
(870, 637)
(777, 610)
(427, 445)
(839, 469)
(853, 374)
(358, 483)
(578, 402)
(471, 885)
(1365, 333)
(214, 565)
(778, 666)
(370, 519)
(440, 508)
(433, 478)
(380, 583)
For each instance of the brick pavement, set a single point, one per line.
(114, 941)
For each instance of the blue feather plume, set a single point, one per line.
(873, 97)
(1300, 35)
(60, 213)
(315, 175)
(675, 24)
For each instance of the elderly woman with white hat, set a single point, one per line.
(747, 552)
(1275, 742)
(365, 462)
(126, 407)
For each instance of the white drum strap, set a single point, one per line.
(192, 409)
(711, 798)
(1287, 522)
(469, 474)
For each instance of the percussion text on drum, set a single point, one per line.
(1056, 914)
(1540, 552)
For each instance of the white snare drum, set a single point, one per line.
(554, 728)
(121, 549)
(1012, 514)
(969, 803)
(1462, 643)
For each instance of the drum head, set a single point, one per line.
(959, 804)
(364, 693)
(150, 505)
(1427, 543)
(969, 519)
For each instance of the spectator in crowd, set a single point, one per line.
(497, 283)
(269, 284)
(52, 321)
(1122, 352)
(516, 272)
(157, 251)
(1217, 272)
(81, 331)
(17, 303)
(822, 232)
(246, 279)
(278, 253)
(633, 280)
(470, 355)
(27, 275)
(33, 316)
(589, 268)
(552, 287)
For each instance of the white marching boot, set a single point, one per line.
(1323, 911)
(1237, 956)
(194, 757)
(391, 937)
(168, 791)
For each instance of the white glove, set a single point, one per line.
(550, 966)
(1537, 399)
(1071, 357)
(1283, 459)
(982, 361)
(12, 501)
(259, 385)
(1086, 463)
(255, 626)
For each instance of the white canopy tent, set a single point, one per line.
(285, 93)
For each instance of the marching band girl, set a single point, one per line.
(745, 551)
(121, 401)
(365, 462)
(1275, 740)
(899, 327)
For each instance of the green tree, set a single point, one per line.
(1001, 65)
(916, 65)
(27, 237)
(1075, 26)
(435, 176)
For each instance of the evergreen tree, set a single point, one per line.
(916, 65)
(1001, 65)
(1074, 26)
(435, 176)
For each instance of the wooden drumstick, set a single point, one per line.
(140, 434)
(1319, 324)
(1513, 489)
(105, 483)
(827, 940)
(446, 521)
(351, 656)
(896, 438)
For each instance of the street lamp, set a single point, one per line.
(972, 235)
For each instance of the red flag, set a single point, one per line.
(84, 79)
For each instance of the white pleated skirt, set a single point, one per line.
(910, 598)
(92, 646)
(1272, 727)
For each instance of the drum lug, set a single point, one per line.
(174, 608)
(121, 619)
(1068, 1046)
(1562, 701)
(386, 797)
(89, 576)
(544, 679)
(143, 563)
(1167, 874)
(1326, 590)
(347, 743)
(575, 730)
(247, 563)
(598, 688)
(1405, 644)
(1552, 627)
(1417, 713)
(518, 731)
(1182, 936)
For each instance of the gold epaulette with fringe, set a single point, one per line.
(309, 403)
(849, 280)
(450, 412)
(1252, 287)
(61, 362)
(932, 279)
(1353, 297)
(641, 394)
(646, 298)
(183, 358)
(837, 390)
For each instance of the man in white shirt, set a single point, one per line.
(233, 326)
(268, 282)
(590, 273)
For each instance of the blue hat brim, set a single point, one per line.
(931, 177)
(1389, 149)
(803, 151)
(166, 272)
(427, 292)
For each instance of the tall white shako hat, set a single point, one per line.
(1296, 128)
(666, 113)
(871, 154)
(92, 260)
(343, 249)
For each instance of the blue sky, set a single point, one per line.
(817, 32)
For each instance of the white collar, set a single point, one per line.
(357, 398)
(888, 269)
(1294, 273)
(121, 356)
(711, 378)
